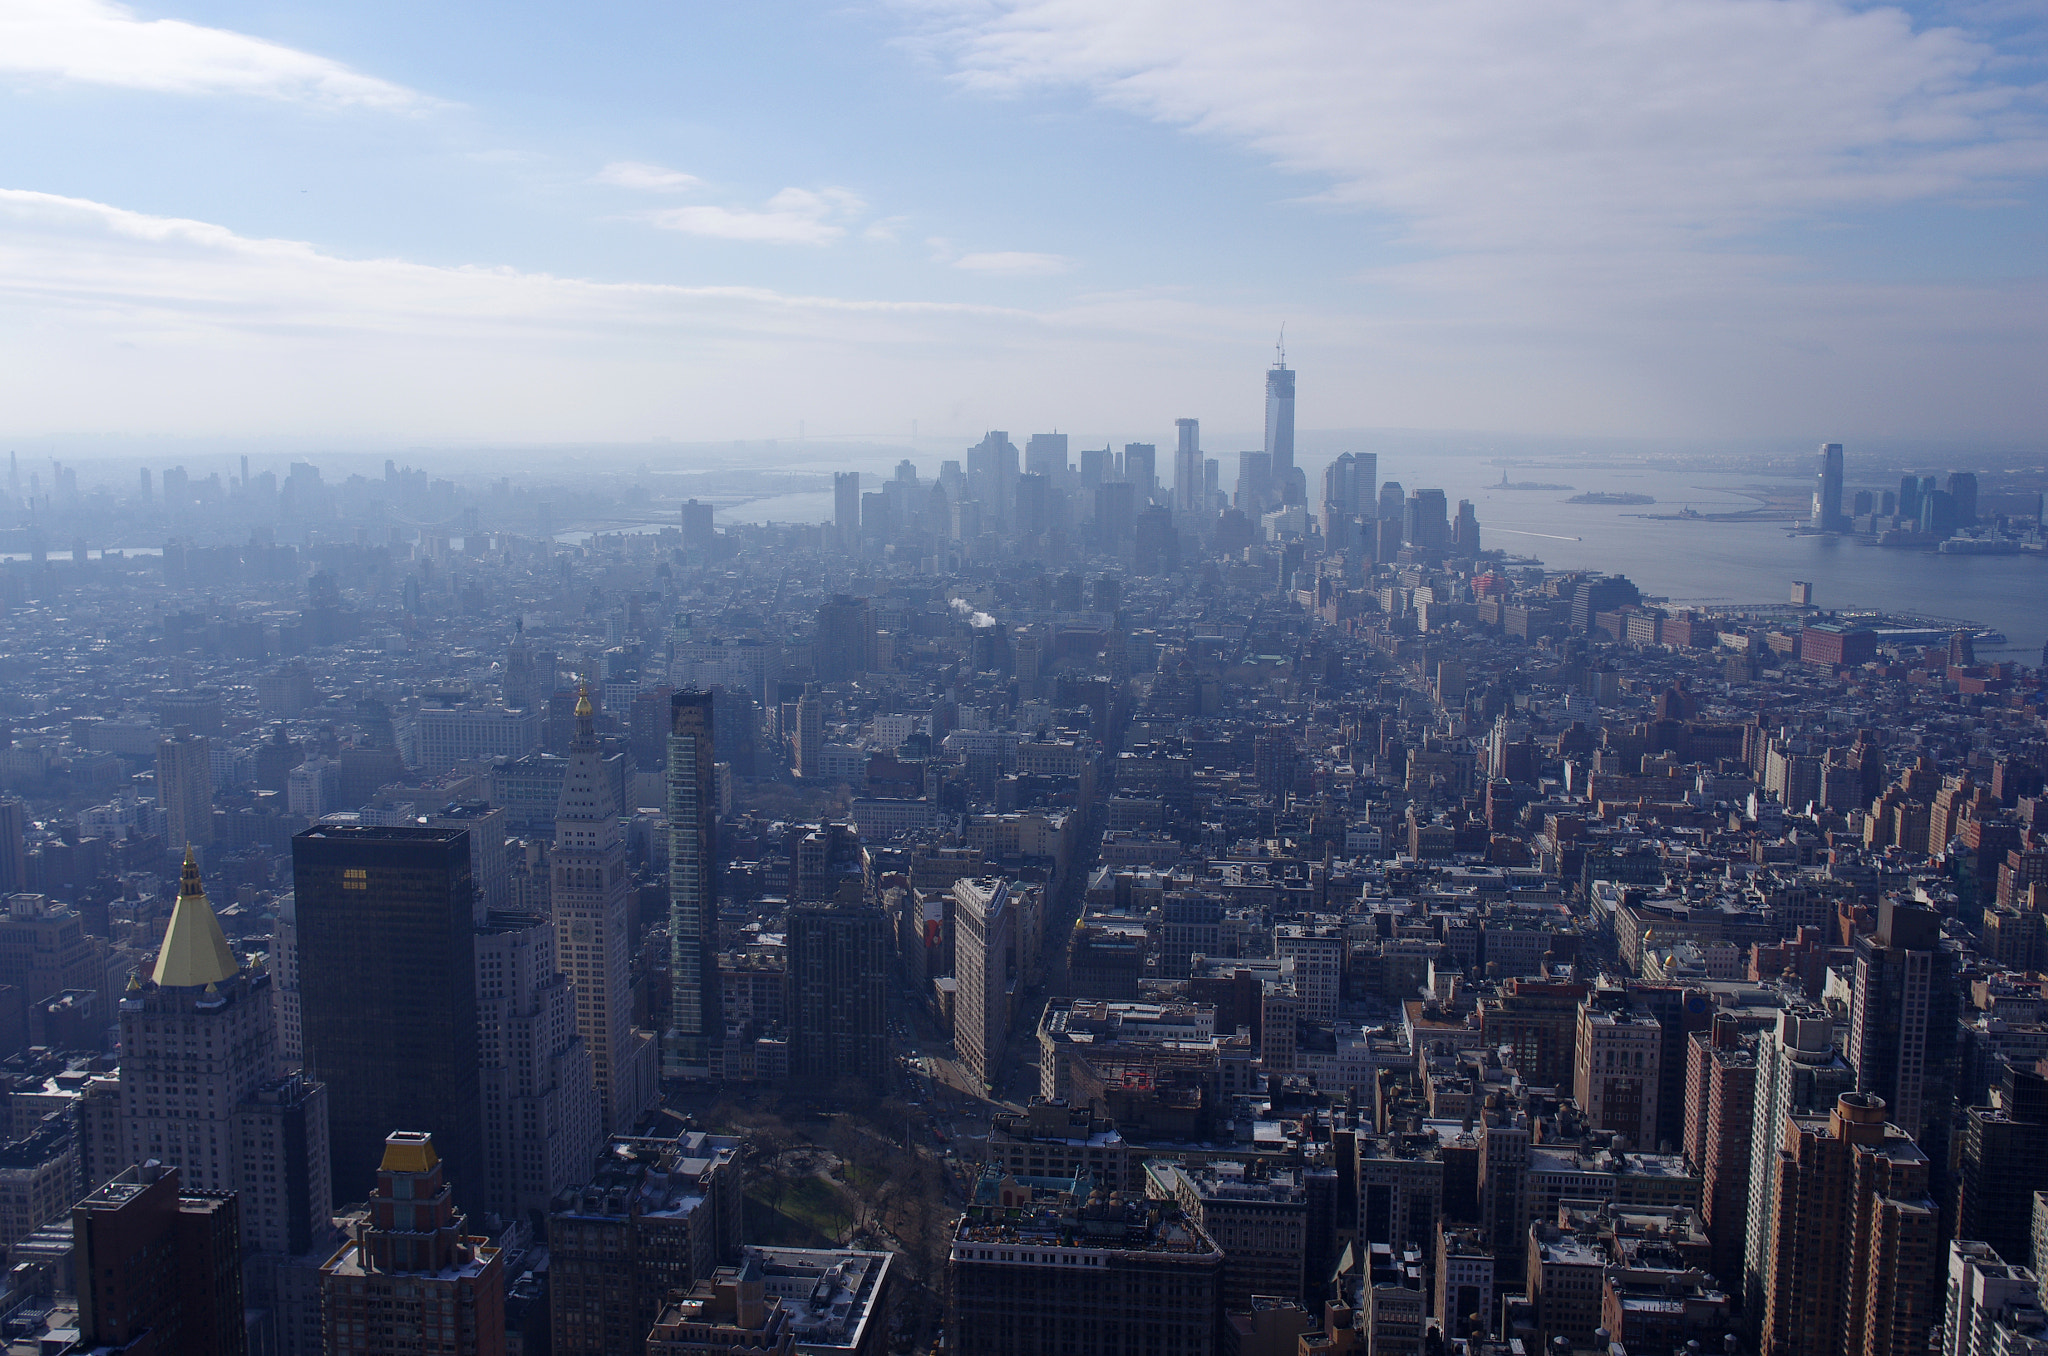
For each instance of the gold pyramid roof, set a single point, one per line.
(195, 952)
(408, 1151)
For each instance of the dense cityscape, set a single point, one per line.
(1065, 904)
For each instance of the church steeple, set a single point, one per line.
(195, 952)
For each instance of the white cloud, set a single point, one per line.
(102, 43)
(1015, 264)
(117, 321)
(161, 324)
(795, 216)
(1614, 215)
(651, 178)
(1581, 125)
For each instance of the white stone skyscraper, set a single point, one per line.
(588, 889)
(985, 964)
(542, 1119)
(846, 507)
(204, 1086)
(184, 791)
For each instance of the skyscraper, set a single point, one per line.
(985, 964)
(695, 1024)
(1962, 490)
(1350, 484)
(284, 983)
(838, 991)
(655, 1218)
(1827, 489)
(1425, 522)
(845, 639)
(1254, 481)
(1902, 1023)
(1141, 469)
(810, 733)
(1855, 1251)
(1798, 1072)
(2003, 1160)
(1392, 496)
(1094, 466)
(13, 847)
(1618, 1077)
(411, 1269)
(589, 895)
(490, 865)
(846, 506)
(1187, 466)
(203, 1084)
(1992, 1304)
(1465, 529)
(1909, 497)
(1719, 1138)
(159, 1267)
(698, 532)
(1115, 518)
(184, 788)
(1280, 425)
(542, 1119)
(992, 473)
(387, 987)
(1045, 454)
(1155, 545)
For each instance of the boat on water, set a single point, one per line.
(1989, 638)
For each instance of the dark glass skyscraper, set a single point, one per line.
(838, 991)
(387, 987)
(696, 1025)
(1827, 489)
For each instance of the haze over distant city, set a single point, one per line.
(378, 224)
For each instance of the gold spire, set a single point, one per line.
(584, 710)
(195, 952)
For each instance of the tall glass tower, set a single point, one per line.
(387, 992)
(1827, 489)
(1287, 480)
(1187, 466)
(1280, 417)
(695, 1022)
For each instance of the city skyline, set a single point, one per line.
(682, 680)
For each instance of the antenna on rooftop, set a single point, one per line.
(1280, 347)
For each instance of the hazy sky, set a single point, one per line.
(521, 221)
